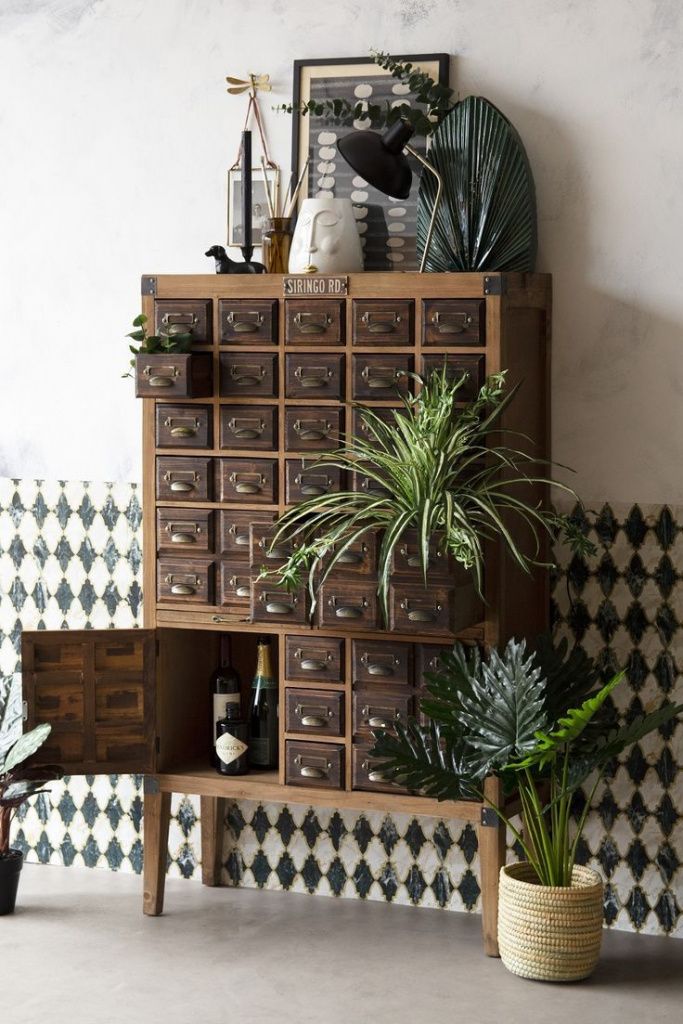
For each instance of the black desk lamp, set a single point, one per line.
(381, 161)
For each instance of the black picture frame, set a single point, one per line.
(377, 239)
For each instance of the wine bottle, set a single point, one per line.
(225, 690)
(263, 722)
(232, 746)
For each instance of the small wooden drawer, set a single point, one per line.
(248, 321)
(270, 603)
(454, 322)
(458, 366)
(314, 322)
(308, 429)
(314, 375)
(383, 322)
(419, 609)
(249, 481)
(183, 426)
(378, 707)
(363, 424)
(382, 661)
(303, 479)
(176, 375)
(249, 427)
(348, 603)
(359, 558)
(233, 537)
(235, 588)
(185, 531)
(367, 485)
(381, 376)
(182, 478)
(366, 773)
(188, 581)
(261, 552)
(252, 375)
(314, 764)
(178, 316)
(320, 658)
(315, 711)
(406, 558)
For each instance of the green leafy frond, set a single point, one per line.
(432, 760)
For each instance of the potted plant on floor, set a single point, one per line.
(437, 470)
(18, 782)
(540, 722)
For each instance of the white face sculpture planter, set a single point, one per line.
(326, 239)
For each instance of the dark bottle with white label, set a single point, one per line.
(232, 742)
(263, 719)
(225, 690)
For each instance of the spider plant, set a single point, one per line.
(540, 721)
(438, 467)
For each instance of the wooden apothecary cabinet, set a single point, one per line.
(273, 378)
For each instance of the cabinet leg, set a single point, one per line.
(492, 850)
(212, 813)
(156, 818)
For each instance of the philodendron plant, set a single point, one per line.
(440, 467)
(19, 781)
(539, 720)
(174, 338)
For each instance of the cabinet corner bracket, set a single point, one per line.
(494, 284)
(150, 785)
(489, 818)
(148, 285)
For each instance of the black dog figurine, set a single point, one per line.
(224, 265)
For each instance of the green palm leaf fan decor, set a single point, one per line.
(487, 215)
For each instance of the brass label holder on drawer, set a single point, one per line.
(247, 322)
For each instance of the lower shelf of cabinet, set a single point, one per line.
(264, 786)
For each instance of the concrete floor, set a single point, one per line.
(79, 951)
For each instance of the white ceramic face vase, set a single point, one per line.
(326, 239)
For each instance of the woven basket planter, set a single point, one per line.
(549, 933)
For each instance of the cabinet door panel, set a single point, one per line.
(96, 688)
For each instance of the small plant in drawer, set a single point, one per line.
(174, 338)
(442, 471)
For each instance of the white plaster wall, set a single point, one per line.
(116, 131)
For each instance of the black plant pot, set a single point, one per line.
(10, 869)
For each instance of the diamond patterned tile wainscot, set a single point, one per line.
(70, 557)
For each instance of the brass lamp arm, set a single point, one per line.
(439, 189)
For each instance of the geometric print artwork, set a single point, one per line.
(70, 556)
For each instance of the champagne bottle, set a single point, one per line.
(225, 689)
(232, 742)
(263, 722)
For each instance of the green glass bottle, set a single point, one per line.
(263, 720)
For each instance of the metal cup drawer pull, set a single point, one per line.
(247, 427)
(312, 771)
(313, 376)
(276, 606)
(385, 324)
(312, 430)
(372, 773)
(308, 664)
(420, 614)
(382, 378)
(245, 323)
(160, 380)
(312, 323)
(241, 589)
(315, 717)
(247, 374)
(377, 720)
(451, 323)
(382, 665)
(414, 560)
(181, 589)
(179, 320)
(241, 539)
(310, 486)
(183, 533)
(348, 611)
(181, 486)
(353, 557)
(182, 428)
(247, 483)
(371, 486)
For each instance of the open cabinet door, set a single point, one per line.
(97, 689)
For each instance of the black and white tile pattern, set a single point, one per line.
(70, 557)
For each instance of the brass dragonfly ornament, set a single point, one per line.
(252, 84)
